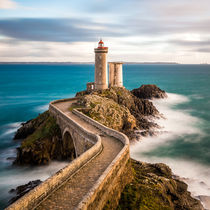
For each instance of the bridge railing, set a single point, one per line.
(36, 195)
(62, 117)
(109, 180)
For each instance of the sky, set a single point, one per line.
(134, 30)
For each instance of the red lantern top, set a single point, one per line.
(101, 45)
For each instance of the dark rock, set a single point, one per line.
(30, 126)
(11, 158)
(23, 189)
(44, 144)
(153, 187)
(149, 92)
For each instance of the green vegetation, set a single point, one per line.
(75, 106)
(143, 193)
(153, 188)
(47, 129)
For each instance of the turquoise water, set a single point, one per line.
(26, 90)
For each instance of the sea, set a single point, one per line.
(183, 141)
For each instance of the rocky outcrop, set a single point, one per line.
(141, 109)
(44, 144)
(153, 187)
(23, 189)
(116, 108)
(149, 92)
(30, 126)
(108, 112)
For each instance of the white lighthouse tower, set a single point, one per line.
(101, 74)
(101, 80)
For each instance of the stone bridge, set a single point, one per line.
(98, 172)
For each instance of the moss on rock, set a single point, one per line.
(44, 144)
(115, 99)
(153, 188)
(108, 112)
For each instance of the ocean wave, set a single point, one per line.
(7, 153)
(41, 108)
(22, 175)
(172, 99)
(10, 128)
(196, 96)
(176, 123)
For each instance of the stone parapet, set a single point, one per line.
(111, 183)
(109, 131)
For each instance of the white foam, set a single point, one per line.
(196, 96)
(42, 108)
(19, 176)
(177, 123)
(11, 128)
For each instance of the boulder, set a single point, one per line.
(149, 92)
(23, 189)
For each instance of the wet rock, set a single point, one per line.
(23, 189)
(153, 187)
(44, 144)
(149, 92)
(30, 126)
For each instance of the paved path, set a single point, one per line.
(71, 193)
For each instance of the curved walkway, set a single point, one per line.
(70, 194)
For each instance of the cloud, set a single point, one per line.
(204, 50)
(74, 30)
(134, 29)
(190, 43)
(180, 8)
(8, 4)
(55, 30)
(45, 51)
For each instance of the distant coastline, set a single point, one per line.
(85, 63)
(67, 63)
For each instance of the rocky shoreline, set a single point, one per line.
(130, 112)
(117, 108)
(42, 142)
(154, 187)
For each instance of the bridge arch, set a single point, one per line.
(68, 142)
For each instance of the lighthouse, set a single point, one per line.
(101, 80)
(101, 74)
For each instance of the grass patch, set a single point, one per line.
(47, 129)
